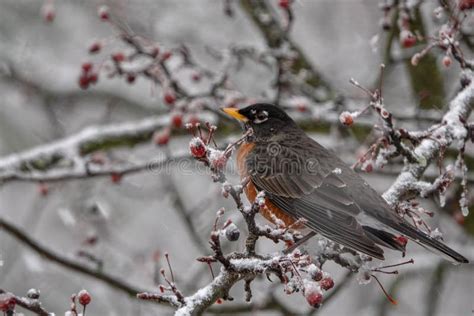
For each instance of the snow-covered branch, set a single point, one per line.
(451, 130)
(71, 157)
(9, 301)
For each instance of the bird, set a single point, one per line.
(302, 180)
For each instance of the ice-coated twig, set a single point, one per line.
(451, 130)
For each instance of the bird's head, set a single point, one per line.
(266, 120)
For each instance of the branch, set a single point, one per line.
(67, 155)
(452, 129)
(31, 304)
(28, 241)
(275, 36)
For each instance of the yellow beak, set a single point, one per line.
(235, 114)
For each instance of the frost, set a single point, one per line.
(337, 171)
(260, 199)
(363, 277)
(247, 264)
(216, 157)
(436, 234)
(196, 141)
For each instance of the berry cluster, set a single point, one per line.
(199, 147)
(88, 76)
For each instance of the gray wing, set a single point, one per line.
(308, 183)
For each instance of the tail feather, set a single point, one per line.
(430, 243)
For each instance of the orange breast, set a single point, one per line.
(271, 212)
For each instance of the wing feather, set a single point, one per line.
(318, 195)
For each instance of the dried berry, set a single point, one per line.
(447, 61)
(116, 177)
(169, 97)
(162, 137)
(48, 12)
(83, 82)
(103, 13)
(131, 78)
(232, 232)
(95, 48)
(87, 66)
(177, 120)
(118, 57)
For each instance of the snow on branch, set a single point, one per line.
(71, 157)
(9, 301)
(452, 129)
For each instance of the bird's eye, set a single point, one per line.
(261, 117)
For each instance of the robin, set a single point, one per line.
(302, 179)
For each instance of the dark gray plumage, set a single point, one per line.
(304, 179)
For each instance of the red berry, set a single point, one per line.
(284, 4)
(118, 57)
(166, 55)
(219, 301)
(407, 39)
(459, 218)
(447, 61)
(93, 77)
(302, 107)
(196, 77)
(197, 147)
(116, 177)
(369, 168)
(87, 66)
(177, 120)
(131, 78)
(7, 302)
(43, 188)
(402, 240)
(49, 16)
(313, 296)
(84, 297)
(466, 5)
(90, 240)
(327, 283)
(169, 98)
(161, 138)
(48, 12)
(317, 276)
(346, 118)
(103, 13)
(95, 48)
(83, 82)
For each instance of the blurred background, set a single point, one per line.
(126, 224)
